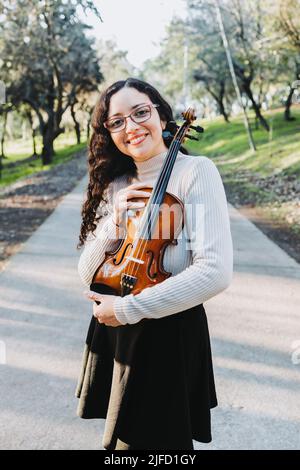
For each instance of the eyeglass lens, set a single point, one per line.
(140, 114)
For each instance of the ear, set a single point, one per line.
(163, 125)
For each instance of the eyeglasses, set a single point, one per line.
(140, 114)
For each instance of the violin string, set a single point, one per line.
(142, 247)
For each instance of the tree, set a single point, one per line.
(166, 70)
(289, 20)
(210, 65)
(285, 21)
(243, 25)
(48, 60)
(114, 63)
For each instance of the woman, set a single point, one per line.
(147, 363)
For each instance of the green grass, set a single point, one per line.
(64, 147)
(20, 149)
(278, 153)
(227, 145)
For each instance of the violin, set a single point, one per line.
(137, 263)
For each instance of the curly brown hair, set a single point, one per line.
(105, 161)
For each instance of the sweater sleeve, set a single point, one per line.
(106, 237)
(208, 236)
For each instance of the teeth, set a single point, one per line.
(138, 139)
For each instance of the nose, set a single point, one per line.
(130, 124)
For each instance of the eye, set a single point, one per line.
(141, 112)
(115, 123)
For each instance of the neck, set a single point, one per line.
(149, 169)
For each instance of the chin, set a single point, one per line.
(140, 151)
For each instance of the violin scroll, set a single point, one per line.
(189, 115)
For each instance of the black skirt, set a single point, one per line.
(152, 381)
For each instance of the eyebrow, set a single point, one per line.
(133, 107)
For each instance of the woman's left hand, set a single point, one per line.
(104, 312)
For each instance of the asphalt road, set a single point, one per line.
(254, 326)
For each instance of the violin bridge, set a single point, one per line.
(136, 260)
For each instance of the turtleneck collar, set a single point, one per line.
(150, 168)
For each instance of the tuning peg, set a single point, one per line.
(191, 137)
(172, 126)
(197, 128)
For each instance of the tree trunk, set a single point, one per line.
(219, 98)
(33, 142)
(29, 116)
(288, 104)
(77, 131)
(3, 134)
(76, 123)
(221, 101)
(48, 139)
(48, 149)
(88, 129)
(222, 110)
(256, 107)
(50, 132)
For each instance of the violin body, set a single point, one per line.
(138, 262)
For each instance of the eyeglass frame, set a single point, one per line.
(151, 105)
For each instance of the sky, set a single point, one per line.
(136, 25)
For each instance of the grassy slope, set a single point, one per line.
(64, 147)
(277, 154)
(227, 145)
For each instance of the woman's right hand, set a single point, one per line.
(122, 203)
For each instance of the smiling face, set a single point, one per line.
(150, 132)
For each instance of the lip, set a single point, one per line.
(136, 137)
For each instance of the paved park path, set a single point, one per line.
(254, 325)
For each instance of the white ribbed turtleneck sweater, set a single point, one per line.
(201, 263)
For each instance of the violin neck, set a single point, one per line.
(151, 212)
(161, 184)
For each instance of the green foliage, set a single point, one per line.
(227, 145)
(47, 60)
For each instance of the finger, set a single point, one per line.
(129, 196)
(96, 313)
(93, 295)
(132, 205)
(131, 188)
(138, 185)
(132, 194)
